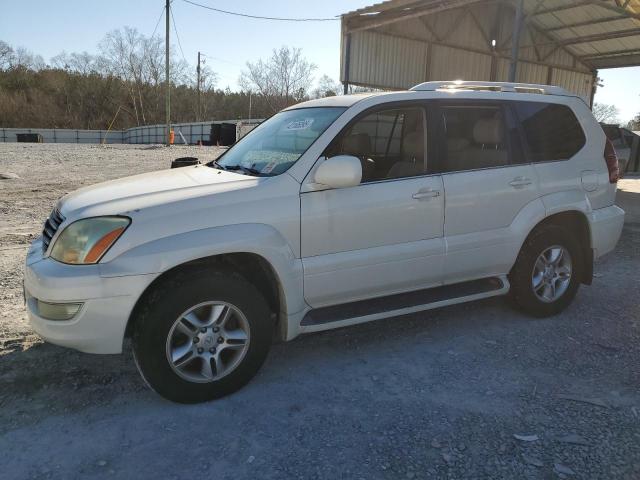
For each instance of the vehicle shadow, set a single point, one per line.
(53, 378)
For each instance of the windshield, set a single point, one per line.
(277, 143)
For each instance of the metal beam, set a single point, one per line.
(612, 53)
(456, 23)
(479, 25)
(515, 40)
(559, 8)
(430, 29)
(581, 3)
(617, 61)
(382, 7)
(585, 23)
(347, 62)
(488, 52)
(631, 32)
(369, 22)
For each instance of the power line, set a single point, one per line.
(158, 22)
(221, 60)
(246, 15)
(173, 19)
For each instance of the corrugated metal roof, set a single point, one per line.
(599, 33)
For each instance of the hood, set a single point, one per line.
(153, 188)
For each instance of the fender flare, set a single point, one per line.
(161, 255)
(568, 201)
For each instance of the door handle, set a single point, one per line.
(519, 182)
(426, 194)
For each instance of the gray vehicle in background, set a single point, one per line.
(627, 146)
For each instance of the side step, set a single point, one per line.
(402, 303)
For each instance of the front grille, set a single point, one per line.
(50, 228)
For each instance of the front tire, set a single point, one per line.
(201, 335)
(547, 272)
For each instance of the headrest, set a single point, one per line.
(357, 144)
(488, 130)
(413, 147)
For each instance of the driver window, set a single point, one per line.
(389, 144)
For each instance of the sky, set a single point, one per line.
(48, 28)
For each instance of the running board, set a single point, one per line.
(402, 303)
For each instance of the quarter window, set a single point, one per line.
(551, 130)
(389, 143)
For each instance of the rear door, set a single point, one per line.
(487, 183)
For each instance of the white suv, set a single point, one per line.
(331, 213)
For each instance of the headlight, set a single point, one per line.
(86, 241)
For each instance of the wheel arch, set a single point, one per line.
(253, 267)
(576, 221)
(256, 251)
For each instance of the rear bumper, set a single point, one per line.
(107, 303)
(606, 227)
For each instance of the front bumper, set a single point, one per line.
(99, 326)
(606, 227)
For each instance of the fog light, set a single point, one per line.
(57, 311)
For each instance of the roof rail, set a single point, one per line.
(493, 86)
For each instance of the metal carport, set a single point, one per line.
(400, 43)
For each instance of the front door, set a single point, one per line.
(383, 236)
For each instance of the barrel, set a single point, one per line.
(184, 162)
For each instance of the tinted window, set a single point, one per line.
(475, 136)
(389, 144)
(552, 131)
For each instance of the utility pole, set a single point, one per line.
(167, 83)
(198, 72)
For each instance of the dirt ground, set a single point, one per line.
(470, 391)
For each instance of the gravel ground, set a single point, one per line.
(470, 391)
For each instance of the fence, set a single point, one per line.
(190, 133)
(62, 135)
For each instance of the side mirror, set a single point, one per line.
(340, 171)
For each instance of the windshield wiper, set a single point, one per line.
(215, 164)
(248, 170)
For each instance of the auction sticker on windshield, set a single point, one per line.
(268, 168)
(300, 124)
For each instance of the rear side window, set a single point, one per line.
(474, 137)
(552, 131)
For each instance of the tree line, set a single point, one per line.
(126, 76)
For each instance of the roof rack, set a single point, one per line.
(492, 86)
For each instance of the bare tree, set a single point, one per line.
(327, 87)
(139, 60)
(634, 123)
(19, 57)
(605, 113)
(208, 78)
(79, 62)
(281, 80)
(6, 55)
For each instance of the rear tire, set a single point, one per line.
(547, 272)
(201, 335)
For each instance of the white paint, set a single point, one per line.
(326, 246)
